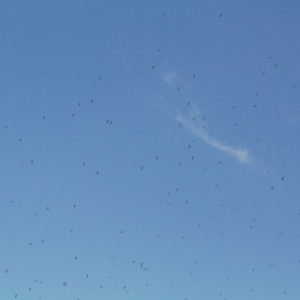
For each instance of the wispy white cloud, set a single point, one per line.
(170, 77)
(242, 155)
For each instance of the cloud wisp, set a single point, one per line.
(242, 155)
(170, 78)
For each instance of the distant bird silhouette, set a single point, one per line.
(194, 76)
(220, 15)
(152, 67)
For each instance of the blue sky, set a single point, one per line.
(149, 150)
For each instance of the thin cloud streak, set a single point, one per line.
(240, 154)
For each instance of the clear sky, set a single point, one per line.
(150, 150)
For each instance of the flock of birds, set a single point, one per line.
(65, 283)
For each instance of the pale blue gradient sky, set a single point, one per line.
(163, 185)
